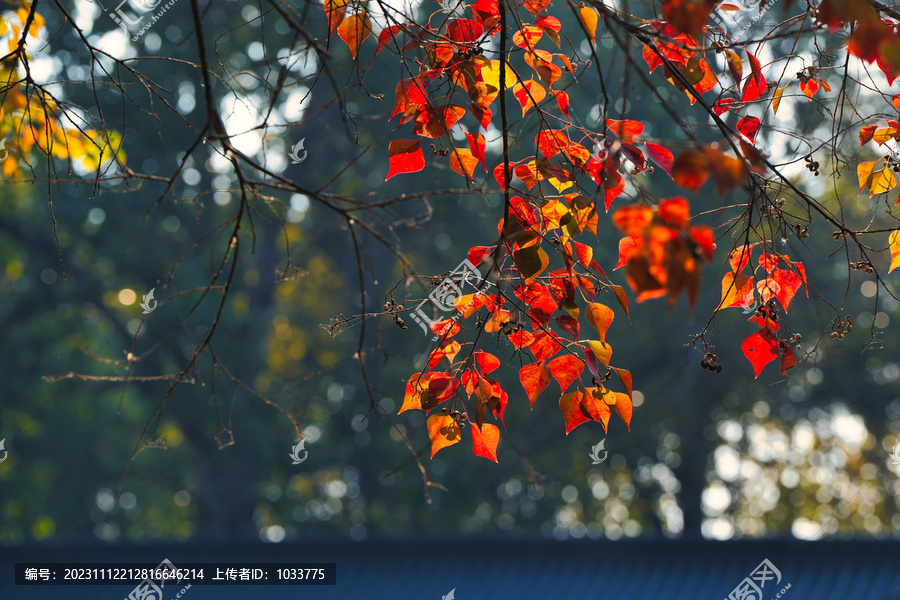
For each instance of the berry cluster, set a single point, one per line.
(711, 363)
(842, 328)
(811, 164)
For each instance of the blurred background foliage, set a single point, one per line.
(718, 455)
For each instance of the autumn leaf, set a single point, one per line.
(627, 130)
(334, 12)
(485, 440)
(600, 317)
(690, 170)
(354, 30)
(755, 84)
(809, 87)
(570, 405)
(534, 378)
(761, 348)
(660, 155)
(865, 135)
(776, 99)
(593, 402)
(405, 157)
(531, 261)
(443, 431)
(894, 245)
(588, 17)
(788, 360)
(463, 162)
(565, 369)
(528, 93)
(601, 350)
(748, 126)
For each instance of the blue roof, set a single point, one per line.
(524, 569)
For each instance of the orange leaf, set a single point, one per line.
(562, 100)
(443, 431)
(588, 18)
(486, 362)
(463, 162)
(776, 99)
(809, 87)
(624, 407)
(570, 405)
(535, 378)
(354, 30)
(625, 378)
(476, 145)
(894, 244)
(565, 369)
(334, 11)
(527, 37)
(434, 122)
(528, 93)
(405, 157)
(737, 290)
(485, 440)
(600, 317)
(864, 173)
(595, 405)
(627, 130)
(691, 170)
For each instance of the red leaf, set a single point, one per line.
(749, 126)
(722, 105)
(809, 87)
(485, 440)
(565, 369)
(570, 405)
(788, 284)
(569, 325)
(545, 345)
(761, 348)
(755, 84)
(387, 35)
(535, 378)
(405, 157)
(463, 162)
(434, 122)
(866, 134)
(464, 31)
(562, 100)
(788, 360)
(660, 155)
(476, 145)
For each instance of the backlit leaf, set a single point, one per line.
(565, 369)
(776, 99)
(601, 350)
(627, 130)
(463, 162)
(570, 405)
(485, 440)
(660, 155)
(443, 431)
(755, 84)
(354, 30)
(589, 19)
(690, 170)
(534, 378)
(761, 348)
(405, 157)
(600, 317)
(894, 245)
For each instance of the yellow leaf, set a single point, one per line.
(881, 181)
(601, 350)
(589, 20)
(776, 99)
(443, 431)
(894, 243)
(864, 173)
(490, 73)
